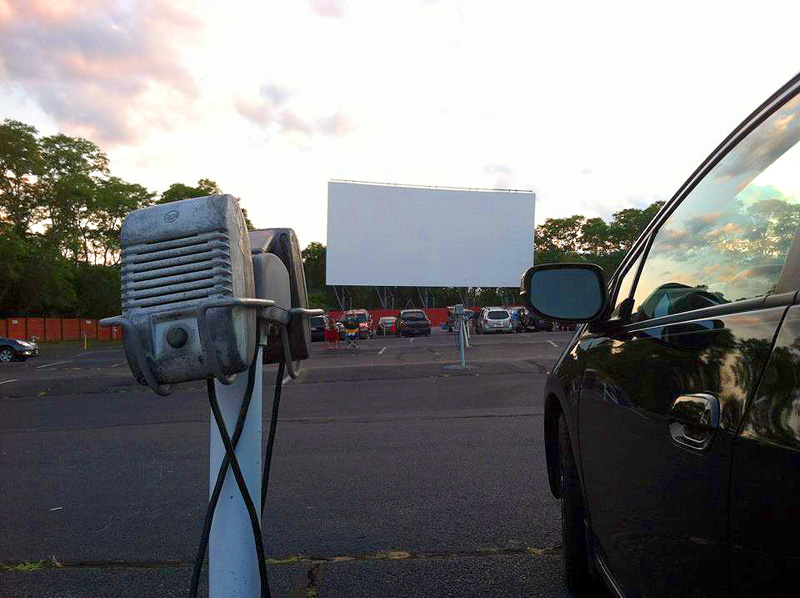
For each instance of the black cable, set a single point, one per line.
(223, 470)
(248, 500)
(273, 424)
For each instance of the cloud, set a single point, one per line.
(269, 109)
(276, 93)
(503, 175)
(293, 123)
(103, 69)
(329, 8)
(337, 124)
(261, 113)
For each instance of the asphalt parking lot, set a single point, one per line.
(393, 474)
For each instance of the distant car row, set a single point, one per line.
(410, 322)
(487, 320)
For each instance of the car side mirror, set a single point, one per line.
(565, 292)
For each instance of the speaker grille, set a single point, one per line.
(176, 271)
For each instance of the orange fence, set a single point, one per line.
(56, 329)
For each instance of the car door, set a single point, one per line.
(765, 477)
(666, 384)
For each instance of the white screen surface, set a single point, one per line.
(390, 235)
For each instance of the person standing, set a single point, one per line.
(331, 335)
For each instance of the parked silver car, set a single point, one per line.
(496, 319)
(13, 349)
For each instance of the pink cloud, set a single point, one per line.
(503, 175)
(92, 64)
(269, 109)
(260, 113)
(329, 8)
(293, 123)
(337, 124)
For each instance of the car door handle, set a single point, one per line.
(693, 421)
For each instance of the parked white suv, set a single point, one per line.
(496, 319)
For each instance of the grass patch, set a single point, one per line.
(25, 566)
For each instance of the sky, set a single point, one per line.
(595, 106)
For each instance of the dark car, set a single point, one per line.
(318, 326)
(530, 322)
(15, 350)
(672, 418)
(413, 322)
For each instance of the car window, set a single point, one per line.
(317, 321)
(413, 315)
(729, 238)
(497, 315)
(626, 286)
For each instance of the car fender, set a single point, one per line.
(561, 393)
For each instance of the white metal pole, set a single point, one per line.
(232, 561)
(462, 331)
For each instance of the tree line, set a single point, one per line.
(61, 211)
(571, 239)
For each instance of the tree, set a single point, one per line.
(626, 225)
(314, 264)
(20, 163)
(178, 191)
(114, 199)
(558, 239)
(73, 168)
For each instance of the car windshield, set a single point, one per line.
(360, 317)
(414, 316)
(386, 320)
(497, 315)
(318, 321)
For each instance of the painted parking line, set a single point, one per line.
(552, 343)
(116, 365)
(7, 381)
(381, 351)
(47, 365)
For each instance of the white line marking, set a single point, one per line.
(47, 365)
(552, 343)
(381, 351)
(7, 381)
(411, 340)
(117, 364)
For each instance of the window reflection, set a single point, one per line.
(729, 238)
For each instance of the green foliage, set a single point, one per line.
(577, 239)
(178, 191)
(61, 212)
(314, 265)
